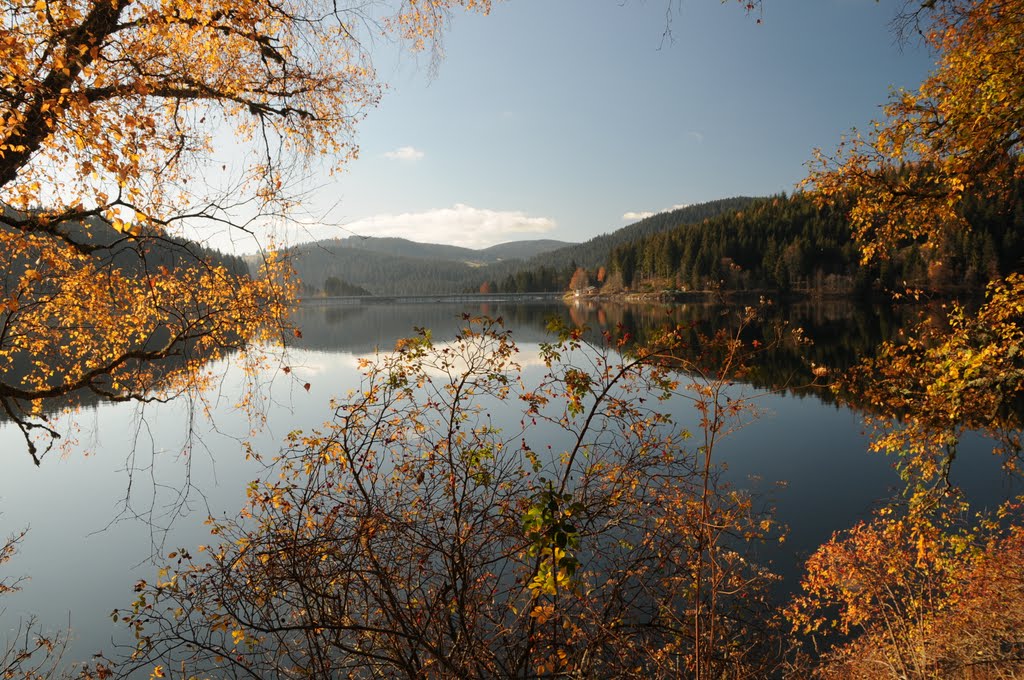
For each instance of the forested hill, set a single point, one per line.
(391, 266)
(400, 247)
(789, 244)
(782, 243)
(521, 250)
(773, 243)
(536, 272)
(379, 273)
(552, 270)
(129, 254)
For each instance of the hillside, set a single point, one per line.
(394, 266)
(552, 270)
(595, 252)
(522, 250)
(396, 247)
(400, 247)
(789, 243)
(379, 273)
(130, 254)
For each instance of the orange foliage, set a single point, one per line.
(925, 595)
(958, 134)
(918, 592)
(580, 279)
(108, 112)
(946, 378)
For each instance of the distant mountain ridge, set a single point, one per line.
(397, 266)
(401, 247)
(521, 250)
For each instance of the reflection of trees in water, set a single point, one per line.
(336, 315)
(412, 527)
(839, 332)
(86, 399)
(365, 328)
(842, 331)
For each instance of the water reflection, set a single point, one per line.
(80, 563)
(840, 331)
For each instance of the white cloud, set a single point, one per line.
(696, 136)
(460, 225)
(405, 153)
(635, 215)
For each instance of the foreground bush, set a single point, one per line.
(412, 537)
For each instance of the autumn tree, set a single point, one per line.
(580, 279)
(910, 583)
(913, 178)
(109, 112)
(929, 592)
(958, 135)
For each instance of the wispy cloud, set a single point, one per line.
(697, 136)
(404, 153)
(460, 225)
(635, 215)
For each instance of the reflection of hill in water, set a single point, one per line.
(841, 331)
(360, 329)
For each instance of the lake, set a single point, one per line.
(141, 480)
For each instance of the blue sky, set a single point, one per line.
(560, 118)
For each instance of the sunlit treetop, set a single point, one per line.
(957, 135)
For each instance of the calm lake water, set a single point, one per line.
(141, 480)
